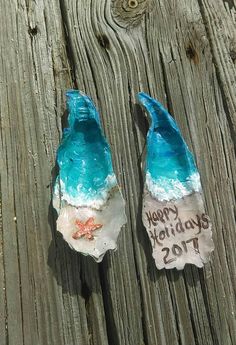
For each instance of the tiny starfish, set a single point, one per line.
(86, 229)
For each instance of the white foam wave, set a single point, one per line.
(169, 189)
(82, 199)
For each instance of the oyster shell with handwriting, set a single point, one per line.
(173, 210)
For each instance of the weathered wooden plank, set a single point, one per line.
(35, 73)
(93, 76)
(181, 53)
(170, 55)
(3, 324)
(199, 99)
(219, 19)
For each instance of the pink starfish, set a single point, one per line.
(86, 229)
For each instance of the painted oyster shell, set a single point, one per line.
(91, 210)
(173, 210)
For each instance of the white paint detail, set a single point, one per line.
(85, 200)
(171, 189)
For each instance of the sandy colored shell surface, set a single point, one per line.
(179, 230)
(111, 218)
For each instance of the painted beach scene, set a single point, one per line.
(173, 209)
(90, 207)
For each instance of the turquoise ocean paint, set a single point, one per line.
(170, 168)
(84, 158)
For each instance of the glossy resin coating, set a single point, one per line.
(84, 158)
(170, 167)
(173, 210)
(86, 189)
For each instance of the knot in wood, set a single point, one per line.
(232, 54)
(128, 13)
(103, 40)
(33, 30)
(191, 53)
(133, 3)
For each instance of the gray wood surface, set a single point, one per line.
(181, 52)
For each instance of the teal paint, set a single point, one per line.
(84, 156)
(170, 166)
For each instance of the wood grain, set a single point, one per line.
(182, 53)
